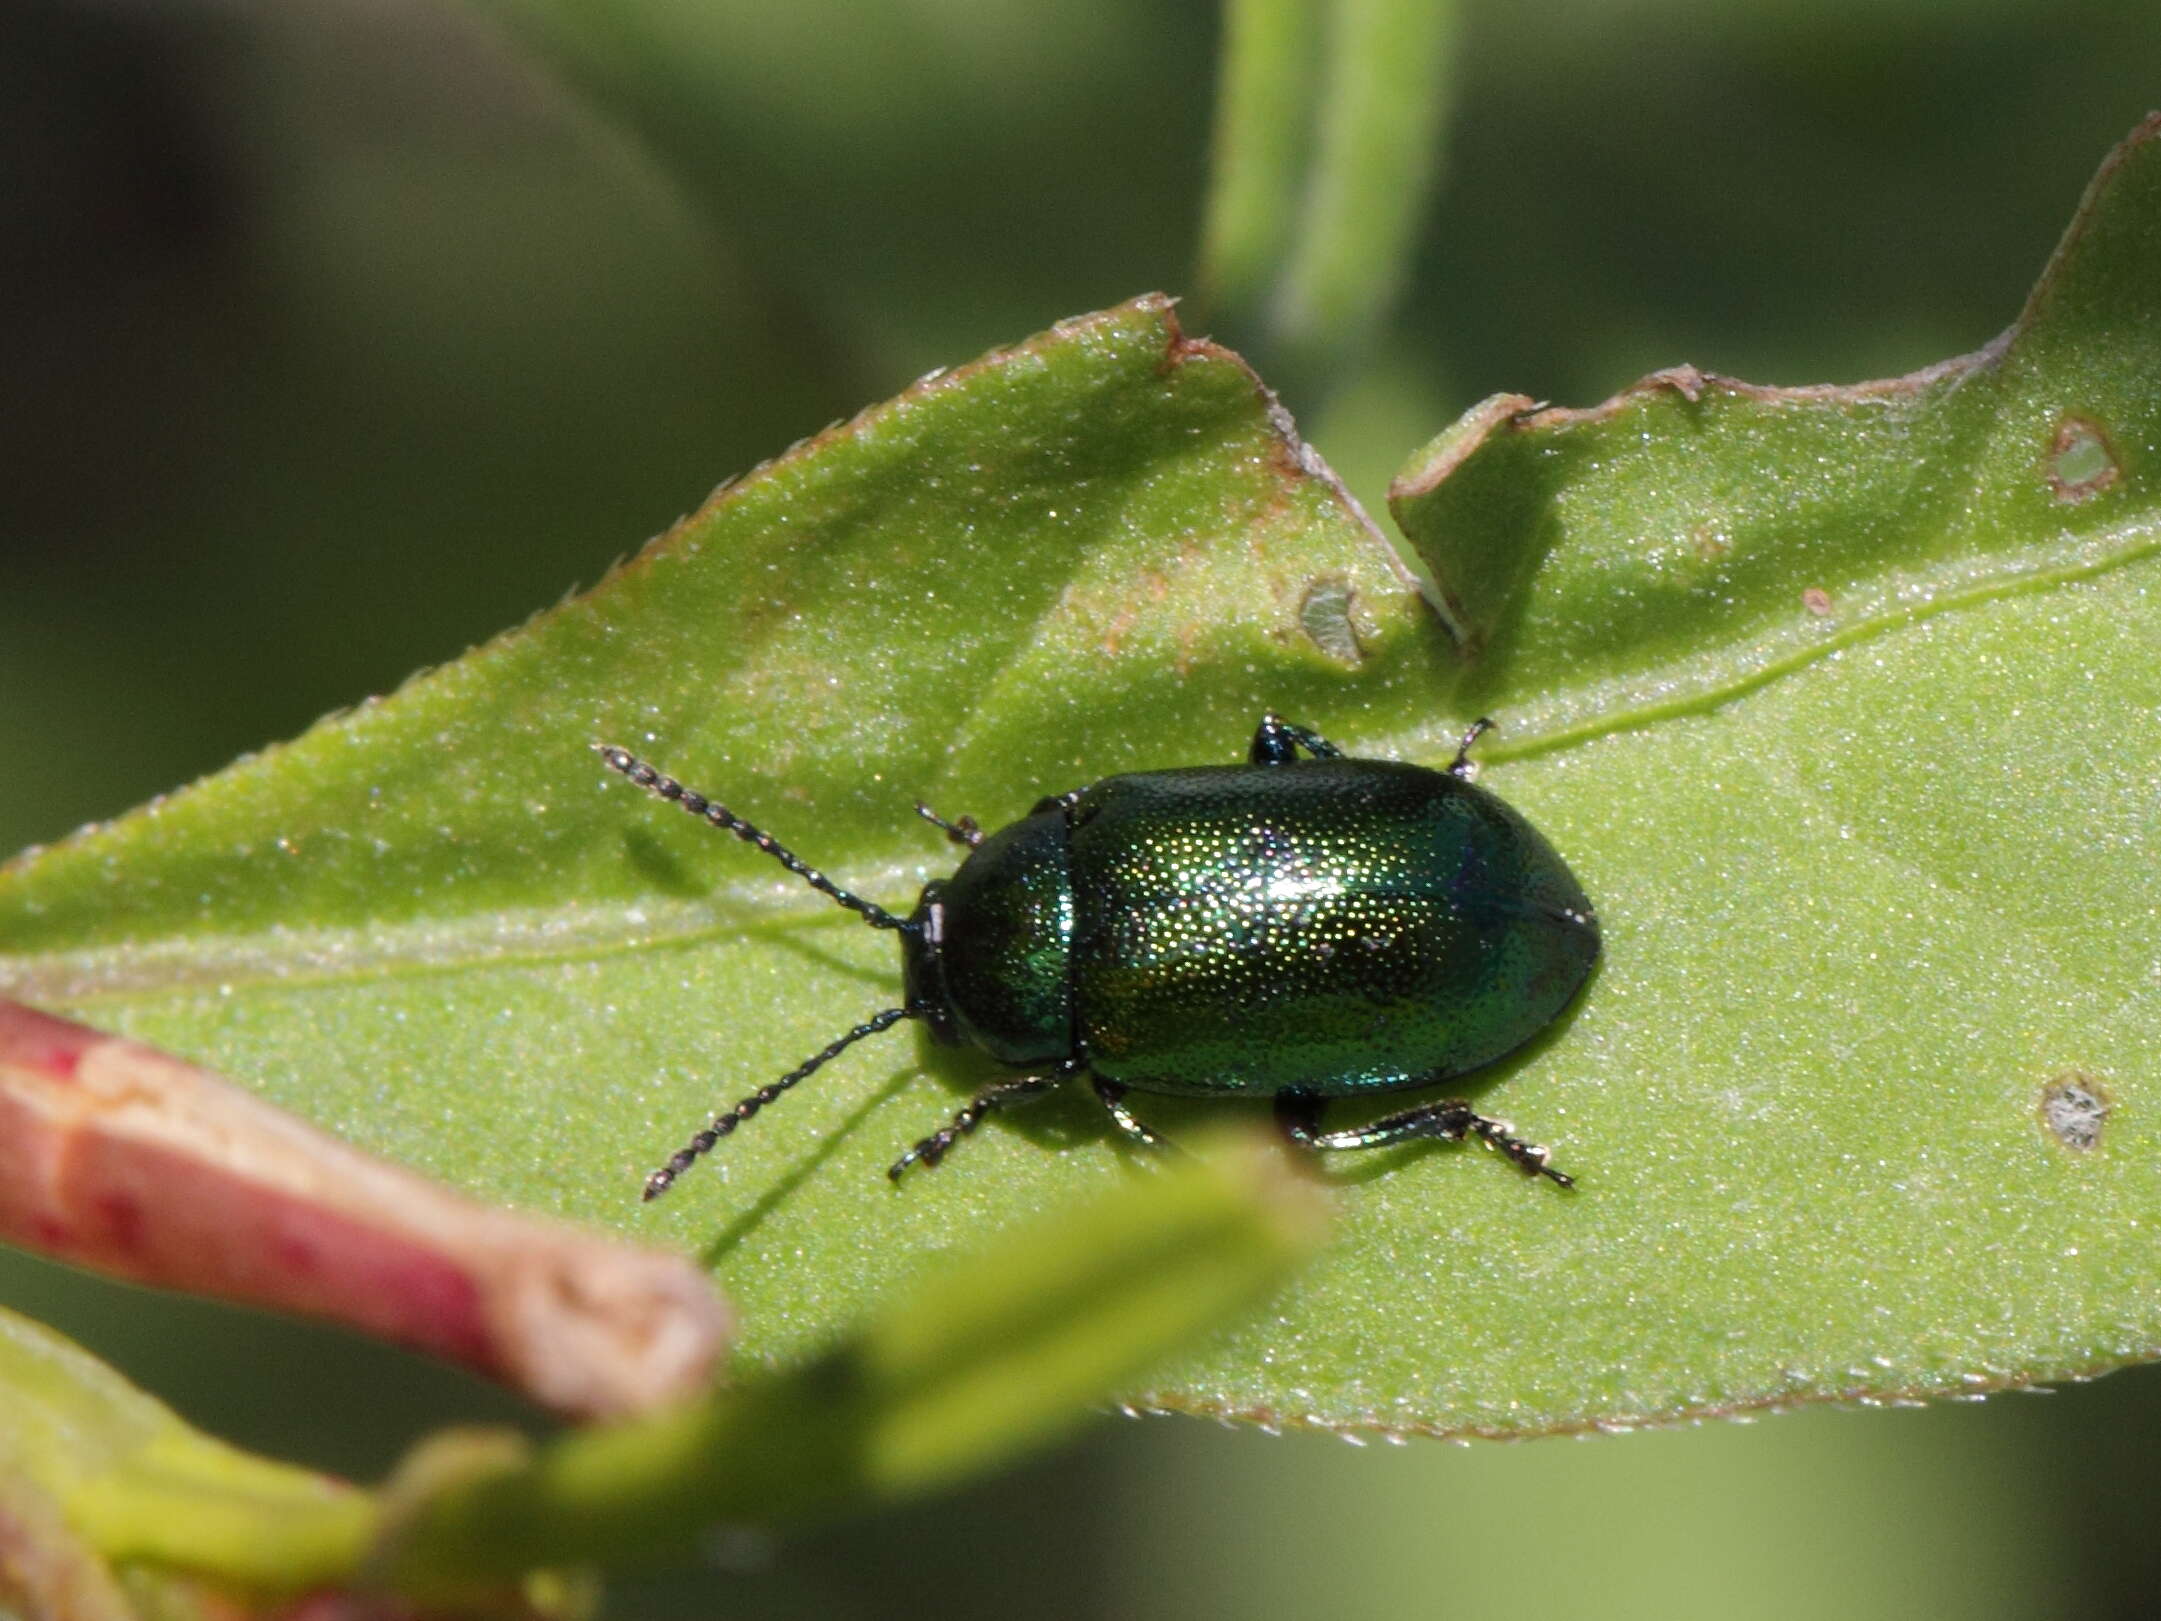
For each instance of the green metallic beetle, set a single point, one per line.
(1293, 928)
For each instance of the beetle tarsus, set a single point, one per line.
(1534, 1158)
(1299, 1116)
(1130, 1125)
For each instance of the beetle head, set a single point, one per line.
(922, 966)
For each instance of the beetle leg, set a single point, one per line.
(1272, 743)
(1113, 1098)
(1277, 742)
(1461, 766)
(962, 831)
(1299, 1115)
(933, 1148)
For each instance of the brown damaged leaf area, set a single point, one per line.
(123, 1159)
(1514, 413)
(1503, 417)
(1293, 458)
(1519, 413)
(1695, 535)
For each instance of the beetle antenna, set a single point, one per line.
(708, 809)
(724, 1124)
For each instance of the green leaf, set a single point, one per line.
(1838, 701)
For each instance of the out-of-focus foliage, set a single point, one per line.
(346, 338)
(117, 1509)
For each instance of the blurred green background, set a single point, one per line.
(337, 335)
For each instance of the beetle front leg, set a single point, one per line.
(1299, 1116)
(962, 830)
(933, 1148)
(1113, 1098)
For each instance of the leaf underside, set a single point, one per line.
(1841, 703)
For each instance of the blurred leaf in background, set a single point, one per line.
(343, 335)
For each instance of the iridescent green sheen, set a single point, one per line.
(1330, 926)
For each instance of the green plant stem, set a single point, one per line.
(1379, 137)
(1326, 150)
(1269, 76)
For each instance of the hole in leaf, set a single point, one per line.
(1325, 615)
(2080, 462)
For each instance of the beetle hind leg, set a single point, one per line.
(1299, 1116)
(1130, 1125)
(930, 1150)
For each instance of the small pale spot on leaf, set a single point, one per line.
(1711, 542)
(2081, 463)
(1325, 615)
(2074, 1108)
